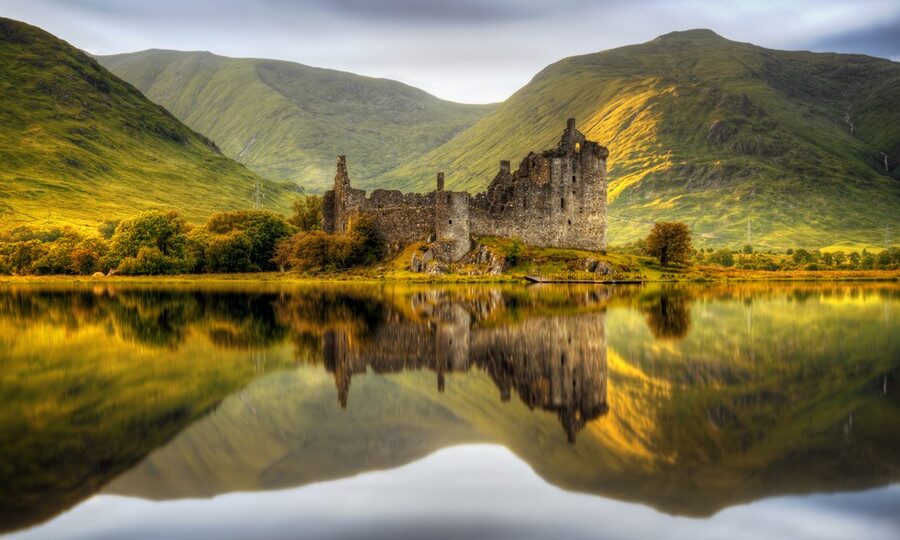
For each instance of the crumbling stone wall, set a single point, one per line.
(554, 199)
(399, 217)
(451, 223)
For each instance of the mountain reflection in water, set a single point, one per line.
(688, 399)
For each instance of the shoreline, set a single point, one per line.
(718, 276)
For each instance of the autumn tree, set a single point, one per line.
(670, 242)
(307, 214)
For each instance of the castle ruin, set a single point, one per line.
(554, 199)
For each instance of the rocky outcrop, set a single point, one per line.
(420, 260)
(483, 258)
(479, 261)
(601, 268)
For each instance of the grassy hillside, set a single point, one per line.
(712, 132)
(288, 121)
(78, 145)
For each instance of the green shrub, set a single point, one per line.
(722, 257)
(317, 251)
(150, 261)
(166, 232)
(308, 252)
(366, 245)
(514, 255)
(801, 256)
(56, 260)
(23, 255)
(84, 261)
(307, 214)
(227, 253)
(263, 230)
(107, 228)
(867, 262)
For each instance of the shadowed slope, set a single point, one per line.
(288, 121)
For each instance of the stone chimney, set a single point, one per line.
(570, 124)
(440, 181)
(504, 167)
(341, 178)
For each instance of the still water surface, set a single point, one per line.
(743, 411)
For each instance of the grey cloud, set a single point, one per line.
(463, 50)
(882, 40)
(437, 12)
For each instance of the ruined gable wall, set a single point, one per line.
(555, 199)
(452, 225)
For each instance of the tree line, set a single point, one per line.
(670, 243)
(158, 243)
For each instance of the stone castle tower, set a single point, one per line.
(554, 199)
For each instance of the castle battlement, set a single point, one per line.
(553, 199)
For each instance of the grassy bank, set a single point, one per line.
(547, 263)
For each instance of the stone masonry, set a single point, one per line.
(554, 199)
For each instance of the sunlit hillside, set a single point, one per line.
(78, 145)
(288, 121)
(783, 148)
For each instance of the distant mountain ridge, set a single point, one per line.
(745, 144)
(78, 145)
(288, 121)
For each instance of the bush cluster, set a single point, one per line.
(316, 251)
(157, 243)
(798, 259)
(151, 243)
(26, 250)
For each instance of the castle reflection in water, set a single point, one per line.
(553, 362)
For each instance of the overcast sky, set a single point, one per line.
(473, 51)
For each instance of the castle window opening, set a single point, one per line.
(562, 202)
(578, 147)
(573, 178)
(450, 222)
(570, 222)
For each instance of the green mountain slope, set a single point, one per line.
(78, 145)
(288, 121)
(712, 132)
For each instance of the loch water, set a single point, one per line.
(748, 410)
